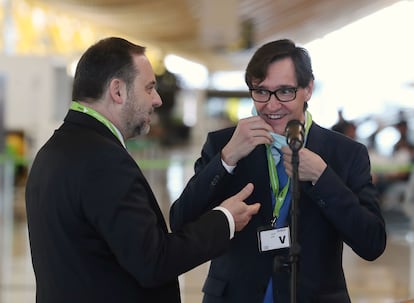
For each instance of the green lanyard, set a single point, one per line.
(274, 182)
(280, 195)
(93, 113)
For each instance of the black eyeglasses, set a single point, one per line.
(283, 94)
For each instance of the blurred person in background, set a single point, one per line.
(403, 144)
(96, 231)
(394, 179)
(338, 202)
(343, 126)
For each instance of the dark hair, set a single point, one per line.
(270, 52)
(107, 59)
(343, 126)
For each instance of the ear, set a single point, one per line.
(308, 91)
(117, 90)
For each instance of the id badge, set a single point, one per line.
(270, 238)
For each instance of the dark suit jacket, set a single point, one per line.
(341, 207)
(96, 231)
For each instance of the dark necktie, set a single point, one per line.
(283, 179)
(283, 212)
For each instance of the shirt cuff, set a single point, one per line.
(229, 168)
(230, 219)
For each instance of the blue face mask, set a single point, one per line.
(279, 140)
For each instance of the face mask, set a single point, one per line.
(279, 140)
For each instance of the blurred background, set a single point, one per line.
(363, 63)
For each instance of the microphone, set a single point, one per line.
(295, 134)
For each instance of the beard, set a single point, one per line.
(138, 126)
(135, 119)
(143, 129)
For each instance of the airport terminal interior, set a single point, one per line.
(357, 92)
(389, 279)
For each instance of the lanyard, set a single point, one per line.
(280, 194)
(93, 113)
(308, 123)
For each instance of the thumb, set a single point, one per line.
(245, 192)
(254, 208)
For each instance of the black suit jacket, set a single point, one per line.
(96, 231)
(341, 207)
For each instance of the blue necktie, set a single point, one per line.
(283, 212)
(281, 172)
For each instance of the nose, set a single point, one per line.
(273, 102)
(157, 101)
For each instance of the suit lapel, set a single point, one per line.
(254, 169)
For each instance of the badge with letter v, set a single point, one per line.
(271, 238)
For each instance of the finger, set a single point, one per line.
(253, 209)
(261, 125)
(245, 192)
(252, 119)
(286, 150)
(264, 123)
(262, 133)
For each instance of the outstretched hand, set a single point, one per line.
(241, 212)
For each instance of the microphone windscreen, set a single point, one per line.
(295, 134)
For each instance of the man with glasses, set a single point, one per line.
(338, 203)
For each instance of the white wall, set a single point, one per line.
(37, 95)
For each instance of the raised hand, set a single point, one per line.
(249, 133)
(311, 165)
(241, 212)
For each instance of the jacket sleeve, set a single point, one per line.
(350, 202)
(125, 214)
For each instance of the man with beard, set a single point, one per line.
(96, 231)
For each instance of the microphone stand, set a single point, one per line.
(295, 135)
(294, 212)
